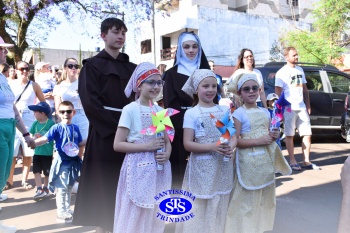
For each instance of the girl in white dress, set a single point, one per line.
(208, 176)
(139, 180)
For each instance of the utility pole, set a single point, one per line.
(154, 34)
(123, 49)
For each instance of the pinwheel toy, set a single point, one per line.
(160, 122)
(281, 105)
(226, 128)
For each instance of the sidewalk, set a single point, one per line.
(307, 201)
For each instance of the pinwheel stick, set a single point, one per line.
(160, 166)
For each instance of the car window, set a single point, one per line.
(339, 83)
(314, 82)
(271, 77)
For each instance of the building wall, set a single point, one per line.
(223, 33)
(272, 8)
(235, 30)
(56, 56)
(219, 4)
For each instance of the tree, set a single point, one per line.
(24, 22)
(326, 41)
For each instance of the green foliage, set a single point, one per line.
(323, 44)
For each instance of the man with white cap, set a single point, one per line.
(44, 76)
(9, 119)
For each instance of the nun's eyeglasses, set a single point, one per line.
(153, 83)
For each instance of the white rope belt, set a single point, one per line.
(112, 109)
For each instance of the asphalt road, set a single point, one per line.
(307, 201)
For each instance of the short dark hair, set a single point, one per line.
(66, 103)
(21, 62)
(109, 23)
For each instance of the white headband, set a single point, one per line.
(193, 81)
(246, 77)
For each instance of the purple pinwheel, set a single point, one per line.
(281, 105)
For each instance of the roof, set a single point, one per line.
(224, 71)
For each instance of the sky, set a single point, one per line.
(68, 35)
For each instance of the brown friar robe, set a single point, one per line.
(102, 81)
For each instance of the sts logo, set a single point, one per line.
(175, 206)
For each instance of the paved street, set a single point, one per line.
(307, 201)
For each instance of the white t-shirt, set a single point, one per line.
(6, 99)
(46, 83)
(193, 118)
(68, 92)
(243, 71)
(291, 81)
(241, 116)
(131, 119)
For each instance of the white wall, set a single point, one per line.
(58, 56)
(209, 3)
(223, 33)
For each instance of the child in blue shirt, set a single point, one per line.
(65, 168)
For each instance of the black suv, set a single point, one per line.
(328, 89)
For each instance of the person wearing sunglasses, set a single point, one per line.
(246, 64)
(253, 201)
(102, 81)
(26, 93)
(66, 165)
(45, 78)
(67, 90)
(9, 120)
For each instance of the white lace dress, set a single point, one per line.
(139, 182)
(209, 178)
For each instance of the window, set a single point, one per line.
(166, 42)
(339, 83)
(146, 46)
(271, 78)
(314, 82)
(293, 2)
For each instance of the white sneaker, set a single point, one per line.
(63, 218)
(3, 197)
(75, 187)
(19, 160)
(7, 229)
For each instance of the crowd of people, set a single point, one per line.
(96, 114)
